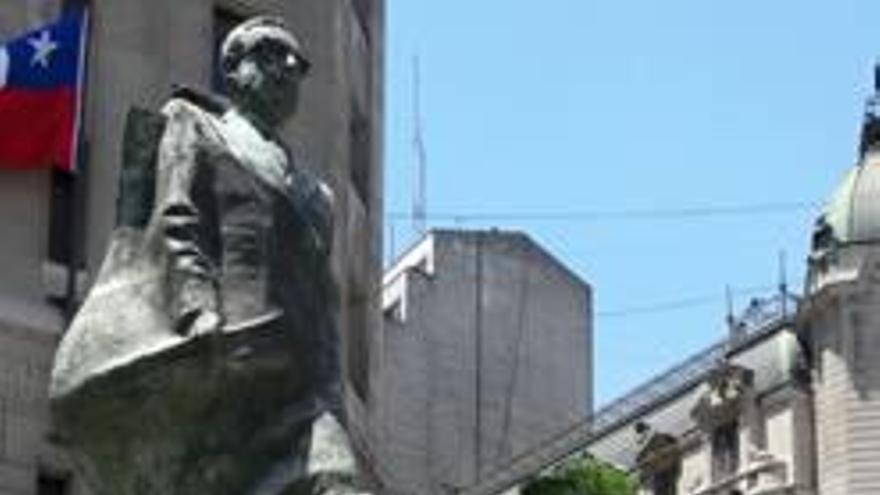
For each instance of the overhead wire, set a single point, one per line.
(683, 303)
(709, 211)
(627, 214)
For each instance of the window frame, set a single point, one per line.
(725, 449)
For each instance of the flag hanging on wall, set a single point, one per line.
(41, 76)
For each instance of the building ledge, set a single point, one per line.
(771, 487)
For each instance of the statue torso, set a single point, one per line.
(256, 203)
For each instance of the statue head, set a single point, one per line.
(263, 66)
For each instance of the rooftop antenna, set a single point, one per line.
(731, 321)
(876, 79)
(870, 138)
(872, 102)
(419, 208)
(783, 284)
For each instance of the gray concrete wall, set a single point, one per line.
(138, 50)
(488, 357)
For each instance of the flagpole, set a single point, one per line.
(79, 161)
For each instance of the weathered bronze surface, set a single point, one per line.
(204, 360)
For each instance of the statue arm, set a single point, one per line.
(192, 273)
(324, 216)
(320, 212)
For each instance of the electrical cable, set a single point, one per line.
(678, 304)
(596, 215)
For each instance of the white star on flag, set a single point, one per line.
(4, 66)
(43, 48)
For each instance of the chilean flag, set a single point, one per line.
(41, 77)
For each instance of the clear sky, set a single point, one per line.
(568, 106)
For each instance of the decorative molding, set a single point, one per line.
(658, 451)
(729, 388)
(764, 475)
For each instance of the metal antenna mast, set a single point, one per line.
(783, 283)
(870, 136)
(419, 213)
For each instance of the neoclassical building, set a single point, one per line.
(789, 404)
(792, 407)
(840, 319)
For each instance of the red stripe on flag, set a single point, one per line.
(37, 127)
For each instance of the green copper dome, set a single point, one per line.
(853, 212)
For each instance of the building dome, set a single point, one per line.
(852, 215)
(849, 227)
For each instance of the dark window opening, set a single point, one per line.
(665, 482)
(360, 154)
(53, 484)
(357, 348)
(62, 218)
(69, 5)
(224, 21)
(725, 451)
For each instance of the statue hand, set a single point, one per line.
(207, 322)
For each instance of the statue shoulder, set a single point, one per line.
(190, 105)
(185, 97)
(324, 196)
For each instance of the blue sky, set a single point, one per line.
(567, 106)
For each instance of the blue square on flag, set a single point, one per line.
(41, 76)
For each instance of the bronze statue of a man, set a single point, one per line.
(205, 359)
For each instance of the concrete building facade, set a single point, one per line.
(138, 50)
(486, 353)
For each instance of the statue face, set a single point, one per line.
(266, 80)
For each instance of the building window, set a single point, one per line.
(68, 5)
(62, 217)
(224, 21)
(360, 154)
(665, 482)
(357, 347)
(53, 484)
(725, 451)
